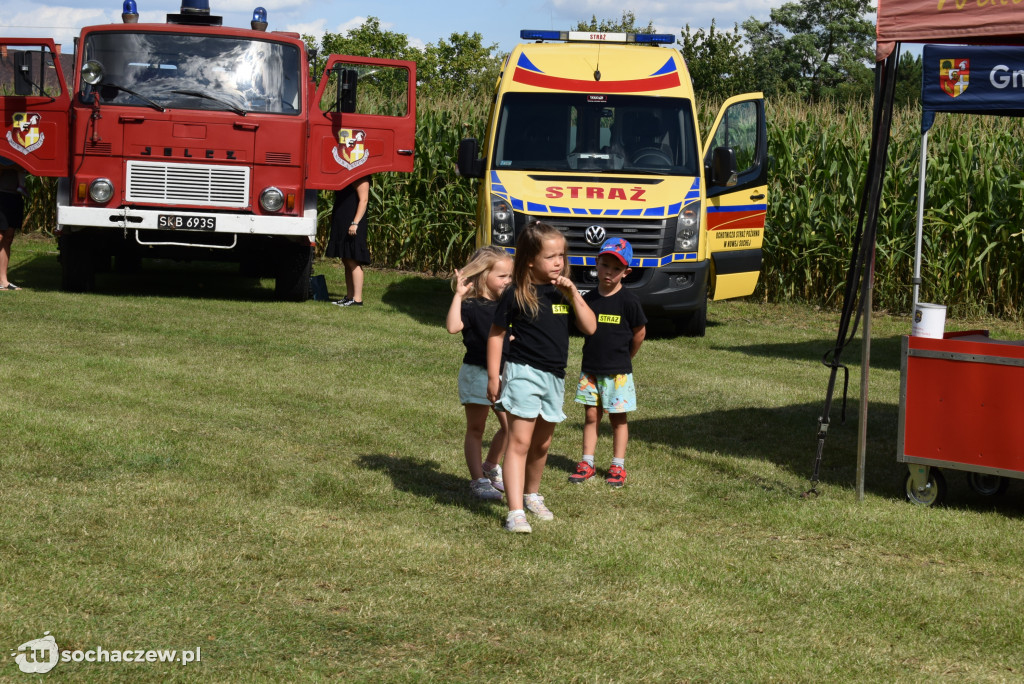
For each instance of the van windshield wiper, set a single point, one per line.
(206, 96)
(155, 105)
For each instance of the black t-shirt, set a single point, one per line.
(477, 316)
(541, 342)
(606, 352)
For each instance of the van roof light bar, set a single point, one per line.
(598, 37)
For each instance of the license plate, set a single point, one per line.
(180, 222)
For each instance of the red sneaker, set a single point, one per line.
(584, 471)
(616, 476)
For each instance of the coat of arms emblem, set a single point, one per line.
(954, 76)
(24, 134)
(351, 151)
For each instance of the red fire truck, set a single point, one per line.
(189, 140)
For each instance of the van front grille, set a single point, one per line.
(646, 237)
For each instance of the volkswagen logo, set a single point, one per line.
(596, 234)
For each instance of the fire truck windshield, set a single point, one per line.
(595, 133)
(180, 71)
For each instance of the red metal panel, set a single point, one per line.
(961, 410)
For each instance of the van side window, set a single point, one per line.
(738, 130)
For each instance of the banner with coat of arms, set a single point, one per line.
(972, 79)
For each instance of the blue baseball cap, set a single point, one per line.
(618, 247)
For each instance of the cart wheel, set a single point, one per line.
(933, 492)
(987, 485)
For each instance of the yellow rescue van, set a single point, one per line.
(596, 134)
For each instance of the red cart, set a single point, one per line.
(961, 408)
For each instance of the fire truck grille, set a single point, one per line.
(646, 237)
(192, 184)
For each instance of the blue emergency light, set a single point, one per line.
(543, 35)
(129, 12)
(654, 38)
(259, 19)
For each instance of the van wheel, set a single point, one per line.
(294, 270)
(77, 263)
(693, 323)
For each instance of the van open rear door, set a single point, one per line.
(362, 120)
(35, 106)
(736, 166)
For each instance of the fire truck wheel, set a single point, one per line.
(693, 323)
(293, 274)
(987, 485)
(77, 262)
(933, 492)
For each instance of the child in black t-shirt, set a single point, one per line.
(477, 288)
(535, 313)
(606, 378)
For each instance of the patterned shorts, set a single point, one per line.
(614, 393)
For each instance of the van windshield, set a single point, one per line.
(194, 72)
(583, 132)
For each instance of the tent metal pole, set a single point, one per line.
(865, 366)
(920, 223)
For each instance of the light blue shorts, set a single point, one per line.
(473, 385)
(614, 393)
(528, 393)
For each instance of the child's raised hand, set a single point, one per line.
(462, 285)
(565, 285)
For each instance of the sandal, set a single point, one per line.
(10, 286)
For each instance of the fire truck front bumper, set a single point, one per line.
(133, 218)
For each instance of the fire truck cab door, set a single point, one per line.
(368, 128)
(35, 106)
(736, 170)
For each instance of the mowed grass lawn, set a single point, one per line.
(187, 463)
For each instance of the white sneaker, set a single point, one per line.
(482, 489)
(516, 522)
(494, 475)
(535, 504)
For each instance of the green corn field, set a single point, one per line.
(973, 222)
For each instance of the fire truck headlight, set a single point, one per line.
(101, 190)
(92, 72)
(688, 229)
(271, 199)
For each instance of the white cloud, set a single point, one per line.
(63, 24)
(353, 23)
(314, 28)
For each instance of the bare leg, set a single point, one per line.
(476, 421)
(353, 279)
(6, 238)
(499, 443)
(620, 434)
(520, 432)
(591, 419)
(537, 457)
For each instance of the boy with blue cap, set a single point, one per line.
(606, 377)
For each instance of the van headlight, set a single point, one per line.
(101, 190)
(688, 228)
(502, 222)
(271, 199)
